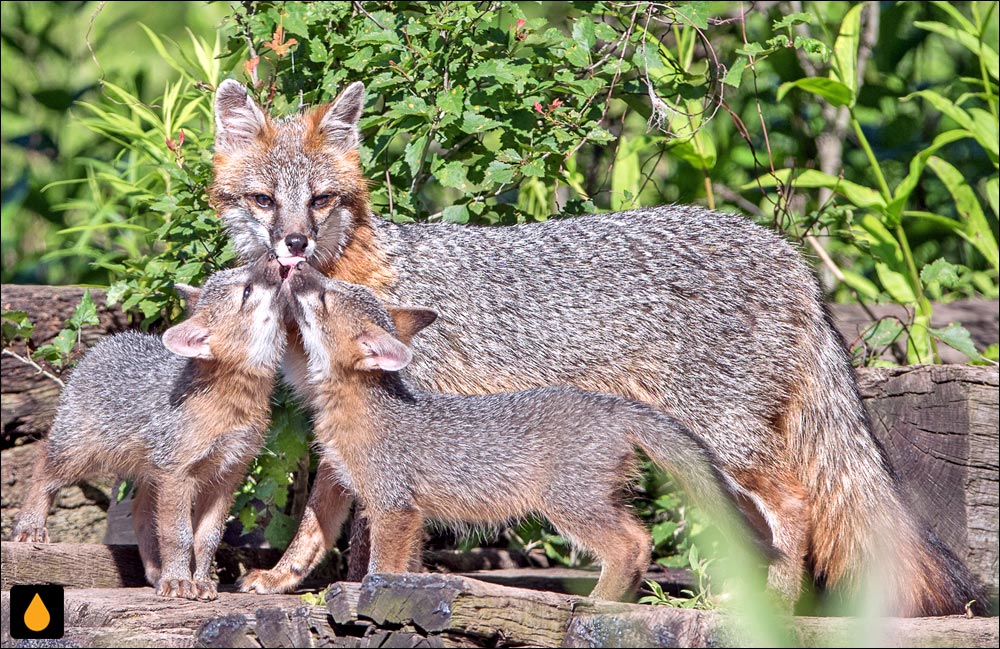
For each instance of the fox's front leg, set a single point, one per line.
(326, 511)
(210, 510)
(396, 537)
(174, 496)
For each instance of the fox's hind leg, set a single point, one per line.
(618, 539)
(45, 486)
(144, 522)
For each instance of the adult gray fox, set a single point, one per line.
(707, 316)
(412, 455)
(182, 416)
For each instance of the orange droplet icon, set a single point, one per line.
(36, 617)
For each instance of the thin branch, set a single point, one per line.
(357, 5)
(31, 363)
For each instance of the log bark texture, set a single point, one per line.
(939, 426)
(451, 611)
(28, 400)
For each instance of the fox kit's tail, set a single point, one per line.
(673, 448)
(863, 537)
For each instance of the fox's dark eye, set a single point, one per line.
(246, 292)
(321, 201)
(263, 201)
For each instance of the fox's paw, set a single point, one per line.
(152, 575)
(207, 589)
(184, 588)
(268, 582)
(30, 534)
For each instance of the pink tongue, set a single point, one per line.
(290, 261)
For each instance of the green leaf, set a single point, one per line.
(280, 529)
(16, 323)
(984, 133)
(626, 173)
(583, 33)
(452, 174)
(920, 344)
(413, 152)
(831, 90)
(450, 101)
(884, 332)
(791, 20)
(941, 271)
(957, 337)
(473, 122)
(85, 313)
(845, 51)
(969, 41)
(735, 73)
(498, 173)
(811, 178)
(865, 287)
(455, 214)
(917, 165)
(993, 194)
(976, 226)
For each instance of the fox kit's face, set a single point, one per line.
(236, 318)
(346, 327)
(293, 186)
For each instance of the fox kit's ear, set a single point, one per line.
(188, 339)
(190, 295)
(340, 123)
(411, 320)
(238, 120)
(381, 351)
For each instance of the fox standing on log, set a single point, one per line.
(413, 455)
(182, 416)
(707, 316)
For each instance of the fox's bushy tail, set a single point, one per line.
(863, 536)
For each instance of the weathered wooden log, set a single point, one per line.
(87, 565)
(91, 565)
(28, 400)
(939, 426)
(450, 611)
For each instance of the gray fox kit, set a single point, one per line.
(182, 417)
(707, 316)
(411, 455)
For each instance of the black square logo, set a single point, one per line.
(36, 612)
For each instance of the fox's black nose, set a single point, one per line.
(296, 243)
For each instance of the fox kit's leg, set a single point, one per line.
(210, 510)
(144, 521)
(35, 509)
(326, 511)
(617, 538)
(174, 497)
(396, 535)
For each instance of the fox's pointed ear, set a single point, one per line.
(340, 122)
(191, 294)
(188, 339)
(411, 320)
(380, 350)
(238, 119)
